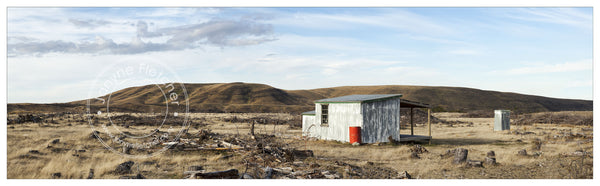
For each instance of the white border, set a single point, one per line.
(294, 3)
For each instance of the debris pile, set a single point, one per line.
(295, 121)
(25, 118)
(416, 151)
(264, 157)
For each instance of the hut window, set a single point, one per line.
(324, 114)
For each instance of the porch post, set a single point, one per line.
(412, 132)
(429, 123)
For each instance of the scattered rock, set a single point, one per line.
(124, 168)
(34, 151)
(246, 176)
(55, 141)
(474, 163)
(460, 155)
(355, 144)
(138, 176)
(91, 174)
(522, 152)
(404, 175)
(491, 154)
(414, 155)
(56, 175)
(490, 161)
(268, 172)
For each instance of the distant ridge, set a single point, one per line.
(251, 97)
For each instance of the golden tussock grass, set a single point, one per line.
(479, 138)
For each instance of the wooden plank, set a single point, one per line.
(209, 148)
(228, 174)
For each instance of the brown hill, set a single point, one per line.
(457, 98)
(250, 97)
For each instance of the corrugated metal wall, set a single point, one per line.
(341, 116)
(381, 119)
(308, 125)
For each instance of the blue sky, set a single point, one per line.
(54, 53)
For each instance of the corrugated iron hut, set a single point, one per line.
(373, 117)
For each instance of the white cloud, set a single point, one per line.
(314, 49)
(567, 16)
(91, 23)
(436, 40)
(73, 33)
(464, 52)
(552, 68)
(397, 19)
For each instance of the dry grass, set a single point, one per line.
(478, 138)
(565, 117)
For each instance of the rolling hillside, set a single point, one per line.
(456, 98)
(249, 97)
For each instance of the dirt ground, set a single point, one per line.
(553, 151)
